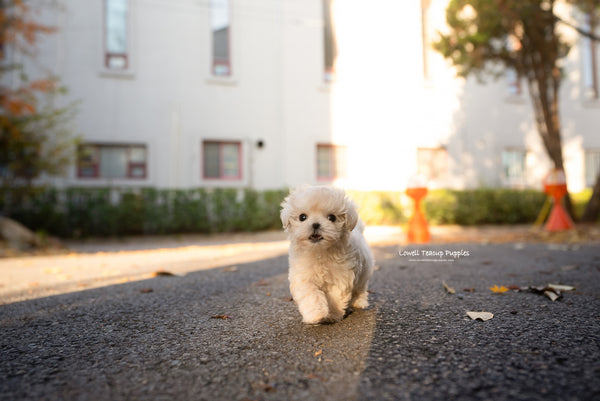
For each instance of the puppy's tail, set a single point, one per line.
(360, 226)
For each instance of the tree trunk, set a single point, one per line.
(540, 56)
(592, 209)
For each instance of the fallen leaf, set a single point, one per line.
(313, 376)
(498, 290)
(319, 352)
(560, 287)
(552, 295)
(469, 289)
(146, 290)
(483, 316)
(223, 317)
(162, 273)
(449, 289)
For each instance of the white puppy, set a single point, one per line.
(330, 261)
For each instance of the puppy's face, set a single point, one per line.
(318, 216)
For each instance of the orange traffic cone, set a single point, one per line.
(555, 185)
(418, 232)
(559, 219)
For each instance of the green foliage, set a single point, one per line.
(487, 34)
(35, 124)
(483, 206)
(85, 212)
(379, 208)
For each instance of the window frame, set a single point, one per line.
(514, 181)
(591, 156)
(434, 171)
(333, 166)
(222, 176)
(330, 46)
(589, 60)
(95, 164)
(108, 55)
(215, 62)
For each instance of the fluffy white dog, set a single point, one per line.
(330, 261)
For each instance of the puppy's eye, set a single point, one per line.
(302, 217)
(331, 218)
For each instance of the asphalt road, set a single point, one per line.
(233, 334)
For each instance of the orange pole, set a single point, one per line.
(559, 219)
(418, 232)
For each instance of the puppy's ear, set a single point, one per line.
(351, 215)
(286, 210)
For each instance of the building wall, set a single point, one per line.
(381, 105)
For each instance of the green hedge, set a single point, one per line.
(84, 212)
(483, 206)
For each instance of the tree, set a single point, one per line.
(34, 134)
(489, 36)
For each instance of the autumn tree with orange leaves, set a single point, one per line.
(34, 134)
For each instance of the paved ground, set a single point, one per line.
(228, 331)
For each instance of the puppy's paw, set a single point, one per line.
(315, 319)
(361, 302)
(316, 314)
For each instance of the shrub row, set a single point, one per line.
(83, 212)
(483, 206)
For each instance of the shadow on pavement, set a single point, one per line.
(222, 334)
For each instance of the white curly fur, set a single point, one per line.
(330, 261)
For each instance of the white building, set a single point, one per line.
(276, 93)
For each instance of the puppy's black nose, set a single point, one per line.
(316, 226)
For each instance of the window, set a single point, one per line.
(116, 35)
(221, 160)
(592, 167)
(112, 161)
(331, 162)
(513, 81)
(432, 163)
(513, 77)
(590, 60)
(329, 41)
(513, 166)
(220, 23)
(425, 37)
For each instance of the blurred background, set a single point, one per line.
(159, 116)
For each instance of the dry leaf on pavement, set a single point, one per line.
(552, 295)
(162, 273)
(449, 289)
(222, 317)
(483, 316)
(560, 287)
(498, 290)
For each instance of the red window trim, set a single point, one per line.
(108, 55)
(221, 61)
(221, 176)
(95, 164)
(332, 162)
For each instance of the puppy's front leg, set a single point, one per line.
(311, 302)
